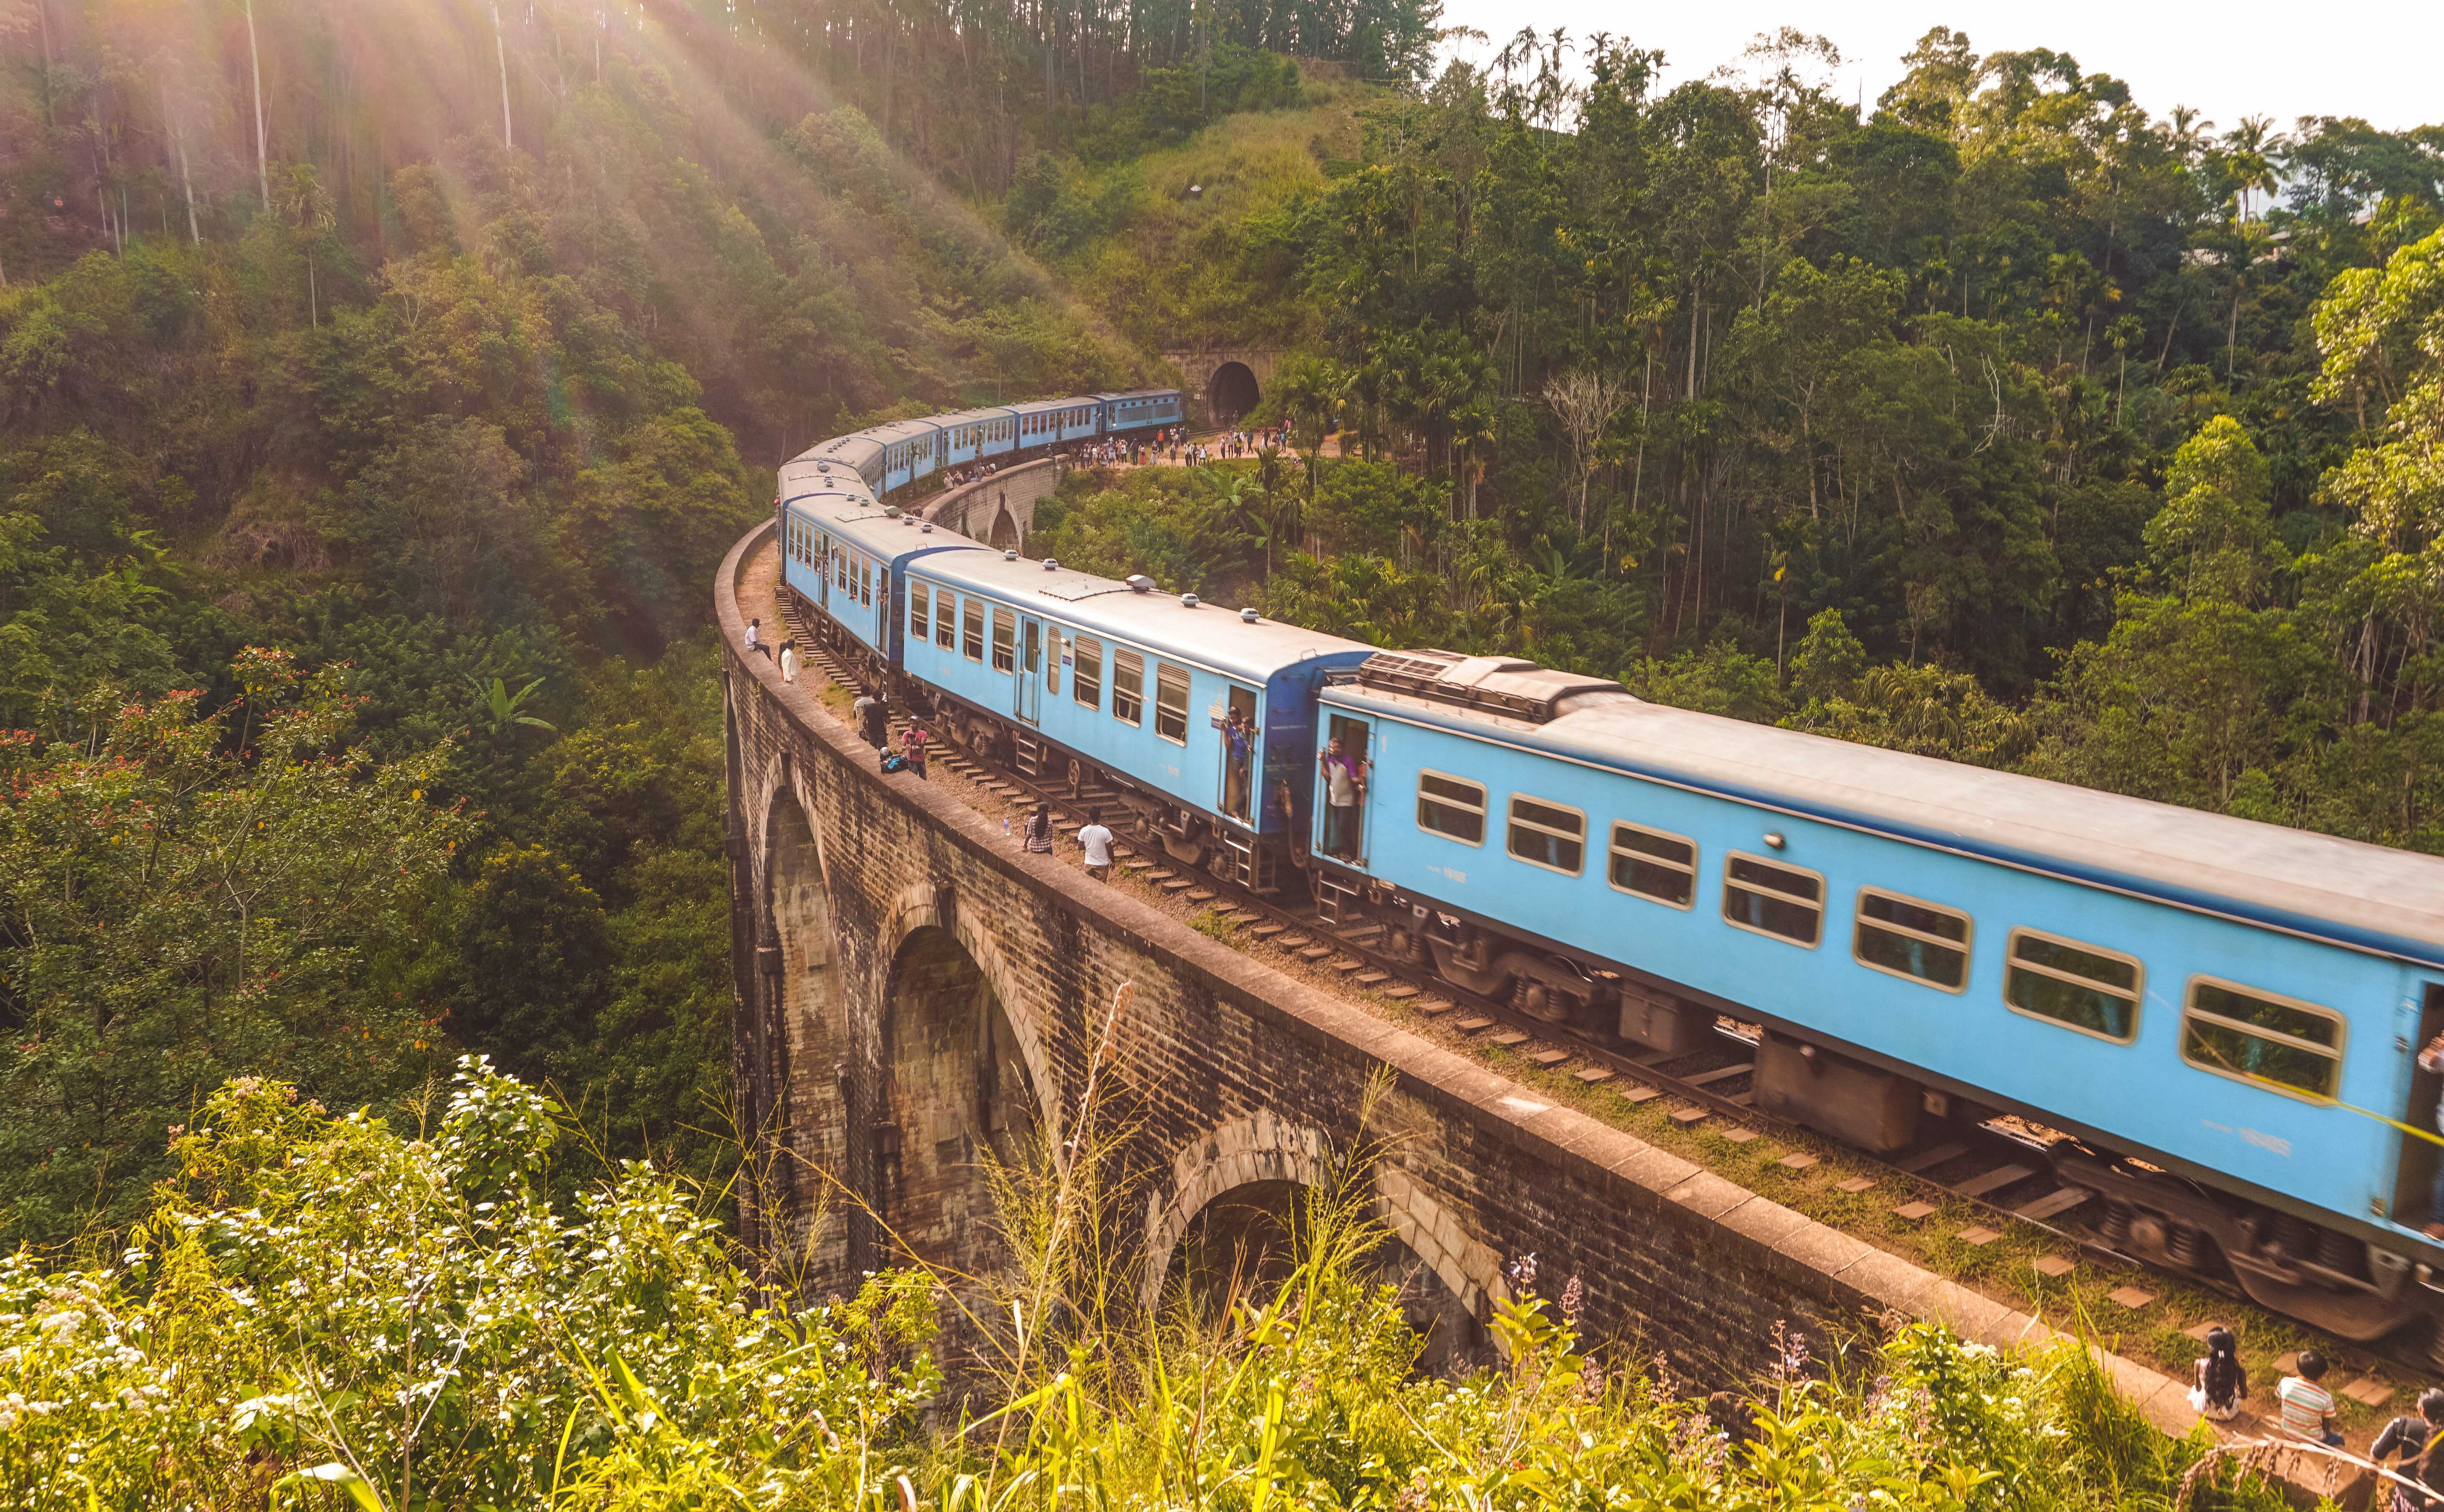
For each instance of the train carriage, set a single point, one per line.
(911, 450)
(2233, 1001)
(1140, 409)
(847, 555)
(1139, 684)
(971, 436)
(1052, 422)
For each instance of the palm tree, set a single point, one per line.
(2248, 159)
(503, 710)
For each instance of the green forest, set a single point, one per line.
(380, 386)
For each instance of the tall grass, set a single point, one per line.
(322, 1312)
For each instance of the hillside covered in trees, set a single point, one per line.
(379, 386)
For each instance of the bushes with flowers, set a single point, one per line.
(320, 1312)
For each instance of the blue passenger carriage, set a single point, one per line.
(2234, 1002)
(847, 555)
(911, 449)
(1051, 422)
(1140, 409)
(971, 436)
(1199, 718)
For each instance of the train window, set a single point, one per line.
(1087, 670)
(1005, 635)
(1547, 835)
(971, 631)
(1770, 898)
(866, 584)
(1171, 702)
(1452, 806)
(2272, 1041)
(920, 610)
(840, 570)
(1906, 937)
(2093, 990)
(1128, 687)
(1654, 865)
(1052, 659)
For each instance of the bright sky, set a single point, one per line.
(2381, 60)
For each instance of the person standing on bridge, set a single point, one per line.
(912, 747)
(1096, 839)
(788, 662)
(1038, 836)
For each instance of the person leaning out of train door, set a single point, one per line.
(1096, 839)
(2406, 1439)
(2431, 1060)
(1344, 788)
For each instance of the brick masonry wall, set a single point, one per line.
(1235, 1072)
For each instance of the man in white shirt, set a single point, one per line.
(756, 640)
(1097, 841)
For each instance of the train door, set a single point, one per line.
(2413, 1185)
(1031, 663)
(1237, 733)
(1343, 775)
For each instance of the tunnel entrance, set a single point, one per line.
(1231, 393)
(1244, 1245)
(957, 1094)
(806, 1115)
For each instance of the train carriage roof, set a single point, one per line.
(1139, 394)
(892, 431)
(1208, 634)
(1001, 411)
(888, 534)
(804, 477)
(2371, 897)
(1050, 406)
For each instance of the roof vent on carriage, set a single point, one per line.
(1139, 582)
(1188, 600)
(1500, 685)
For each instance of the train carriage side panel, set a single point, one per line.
(968, 435)
(2152, 1091)
(1139, 684)
(1140, 409)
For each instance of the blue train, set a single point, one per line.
(2221, 1017)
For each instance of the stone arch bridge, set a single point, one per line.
(914, 990)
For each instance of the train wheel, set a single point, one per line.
(1187, 853)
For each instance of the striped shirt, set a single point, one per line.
(2306, 1406)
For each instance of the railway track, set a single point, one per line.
(2001, 1168)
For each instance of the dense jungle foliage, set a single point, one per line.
(2004, 420)
(381, 384)
(317, 1307)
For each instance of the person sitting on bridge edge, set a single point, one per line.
(2222, 1379)
(1039, 830)
(1096, 839)
(755, 638)
(788, 662)
(2308, 1407)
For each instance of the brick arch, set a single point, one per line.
(917, 906)
(1263, 1147)
(803, 1018)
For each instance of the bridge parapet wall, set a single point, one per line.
(1229, 1071)
(998, 511)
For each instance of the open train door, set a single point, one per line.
(1030, 661)
(1344, 769)
(1235, 722)
(2415, 1181)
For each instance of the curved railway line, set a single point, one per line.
(2001, 1168)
